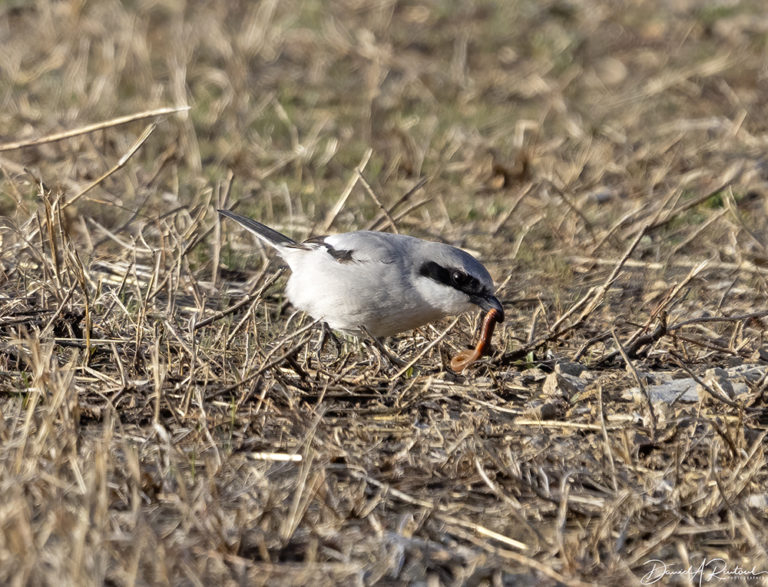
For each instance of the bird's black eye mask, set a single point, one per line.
(455, 278)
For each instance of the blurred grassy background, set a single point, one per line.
(551, 134)
(599, 110)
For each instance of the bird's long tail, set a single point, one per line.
(265, 233)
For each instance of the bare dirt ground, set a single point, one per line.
(166, 419)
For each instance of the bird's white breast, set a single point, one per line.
(375, 289)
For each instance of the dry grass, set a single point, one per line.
(164, 419)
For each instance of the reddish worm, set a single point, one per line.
(467, 357)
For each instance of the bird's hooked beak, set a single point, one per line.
(490, 302)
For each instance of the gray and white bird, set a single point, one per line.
(377, 282)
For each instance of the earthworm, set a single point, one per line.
(467, 357)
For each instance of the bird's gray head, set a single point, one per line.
(453, 280)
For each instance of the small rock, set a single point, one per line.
(611, 71)
(758, 501)
(547, 411)
(568, 368)
(602, 195)
(682, 390)
(533, 375)
(730, 383)
(718, 381)
(563, 384)
(648, 378)
(716, 372)
(751, 373)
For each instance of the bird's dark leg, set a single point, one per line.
(378, 345)
(325, 334)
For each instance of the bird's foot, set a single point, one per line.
(325, 334)
(383, 350)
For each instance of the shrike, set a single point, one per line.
(376, 282)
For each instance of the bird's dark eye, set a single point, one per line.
(459, 279)
(455, 278)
